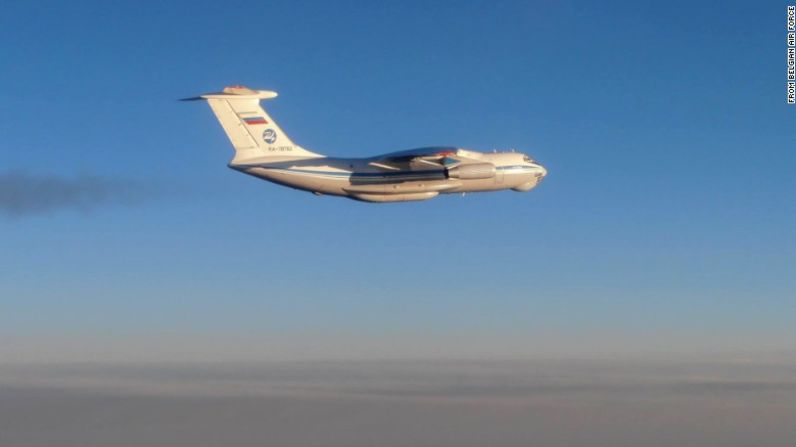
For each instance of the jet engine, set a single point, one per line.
(472, 171)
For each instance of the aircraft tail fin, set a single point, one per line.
(252, 132)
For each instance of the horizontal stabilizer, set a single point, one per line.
(235, 92)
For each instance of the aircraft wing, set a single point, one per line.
(423, 158)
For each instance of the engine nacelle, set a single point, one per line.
(472, 171)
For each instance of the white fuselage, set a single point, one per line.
(368, 180)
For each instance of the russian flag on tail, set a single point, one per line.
(251, 120)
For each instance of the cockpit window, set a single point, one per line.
(527, 159)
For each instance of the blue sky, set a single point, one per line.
(666, 222)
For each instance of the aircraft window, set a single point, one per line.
(527, 159)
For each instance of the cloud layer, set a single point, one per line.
(401, 403)
(23, 194)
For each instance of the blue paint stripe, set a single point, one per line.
(419, 174)
(386, 175)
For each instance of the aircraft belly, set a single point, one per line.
(403, 188)
(507, 181)
(332, 185)
(478, 185)
(385, 198)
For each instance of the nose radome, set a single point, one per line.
(542, 171)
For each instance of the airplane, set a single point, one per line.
(263, 150)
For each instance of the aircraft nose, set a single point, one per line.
(542, 171)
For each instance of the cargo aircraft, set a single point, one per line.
(263, 150)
